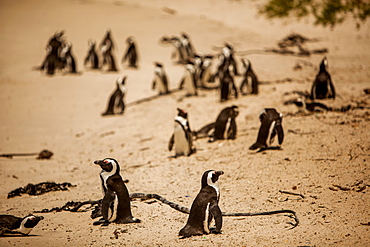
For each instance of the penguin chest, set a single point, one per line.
(206, 219)
(181, 141)
(271, 134)
(189, 84)
(160, 84)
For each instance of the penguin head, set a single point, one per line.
(182, 113)
(235, 110)
(31, 221)
(130, 40)
(210, 178)
(108, 165)
(121, 80)
(324, 64)
(158, 64)
(28, 223)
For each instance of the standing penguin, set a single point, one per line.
(271, 124)
(92, 56)
(160, 80)
(108, 57)
(323, 87)
(182, 137)
(14, 224)
(189, 81)
(52, 59)
(69, 62)
(188, 47)
(250, 79)
(116, 104)
(227, 86)
(205, 207)
(225, 118)
(131, 54)
(115, 206)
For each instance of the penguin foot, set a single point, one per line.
(102, 222)
(214, 231)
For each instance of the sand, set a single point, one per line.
(62, 113)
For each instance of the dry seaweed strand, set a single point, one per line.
(75, 206)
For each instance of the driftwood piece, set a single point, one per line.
(44, 154)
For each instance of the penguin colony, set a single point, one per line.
(115, 205)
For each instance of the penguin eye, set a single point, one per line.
(106, 161)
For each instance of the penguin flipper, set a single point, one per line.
(217, 214)
(106, 203)
(231, 132)
(171, 142)
(258, 145)
(280, 132)
(204, 131)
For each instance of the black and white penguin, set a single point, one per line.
(178, 54)
(225, 125)
(160, 81)
(92, 56)
(205, 75)
(182, 137)
(116, 205)
(68, 60)
(108, 57)
(116, 104)
(271, 125)
(187, 46)
(52, 60)
(205, 207)
(323, 87)
(14, 224)
(227, 86)
(131, 55)
(189, 82)
(250, 80)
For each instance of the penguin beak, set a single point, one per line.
(98, 162)
(219, 173)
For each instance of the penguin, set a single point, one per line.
(14, 224)
(323, 87)
(182, 137)
(116, 104)
(205, 75)
(205, 207)
(69, 62)
(227, 86)
(51, 62)
(178, 54)
(187, 46)
(131, 54)
(108, 58)
(225, 118)
(189, 81)
(92, 56)
(271, 124)
(160, 80)
(116, 205)
(250, 79)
